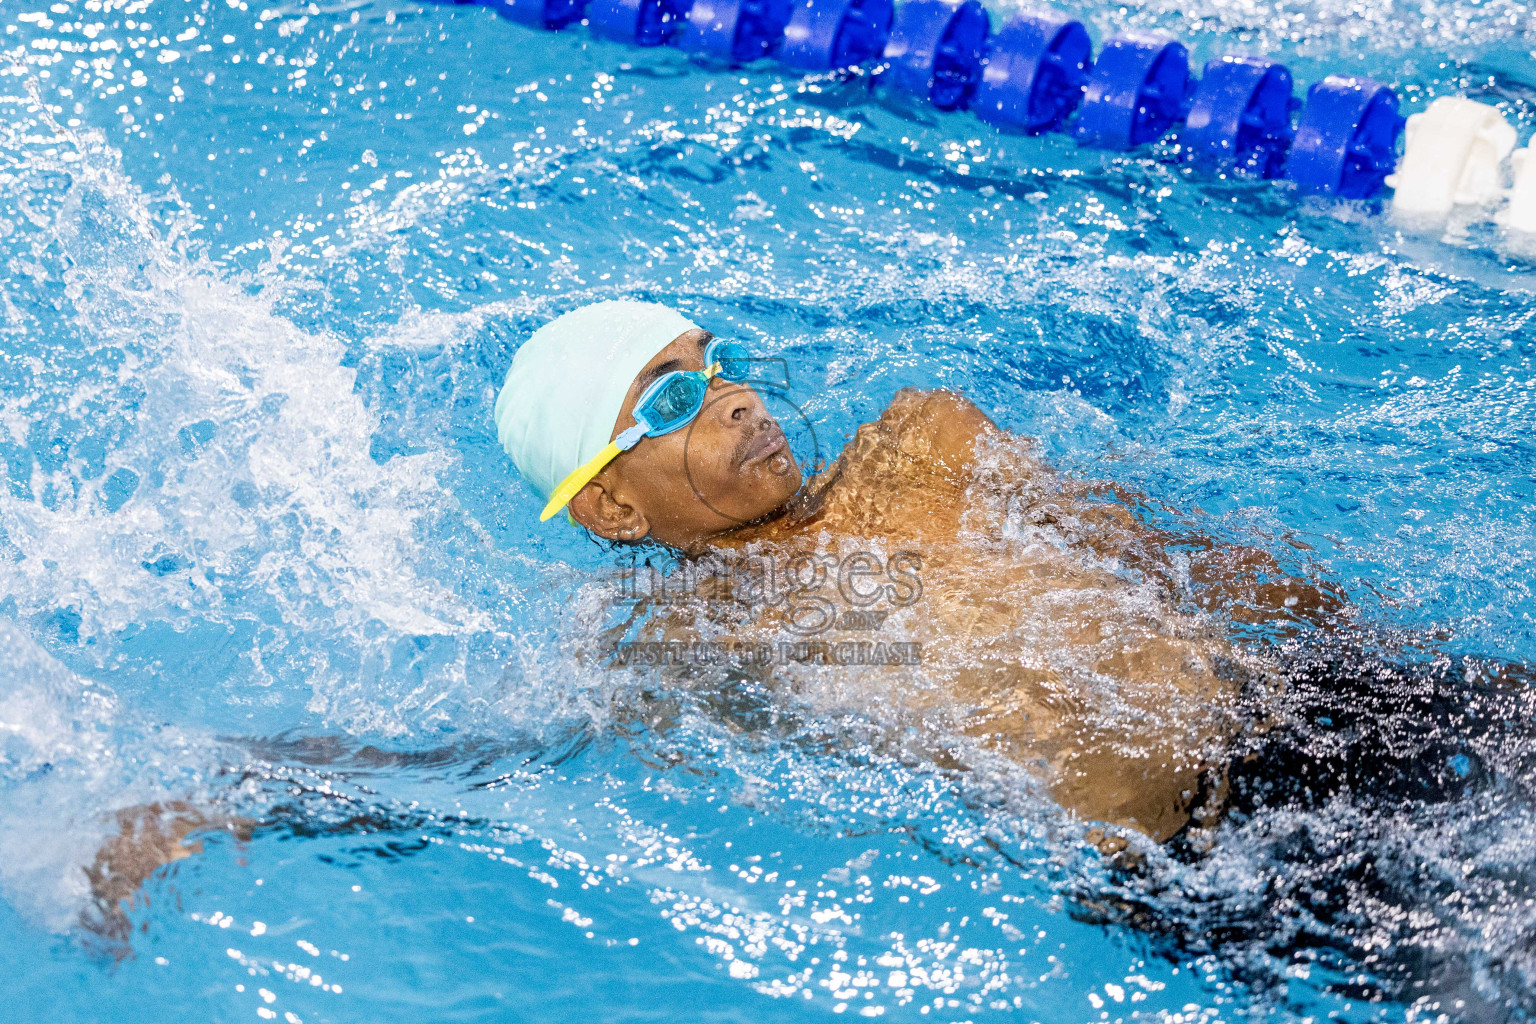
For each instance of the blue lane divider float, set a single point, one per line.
(539, 13)
(825, 34)
(1241, 117)
(1139, 88)
(936, 50)
(642, 22)
(1346, 143)
(1034, 74)
(735, 30)
(1037, 74)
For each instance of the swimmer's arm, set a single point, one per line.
(1251, 586)
(941, 430)
(1247, 583)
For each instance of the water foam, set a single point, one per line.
(218, 466)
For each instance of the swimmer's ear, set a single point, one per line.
(596, 508)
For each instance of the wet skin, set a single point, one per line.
(1114, 697)
(1117, 695)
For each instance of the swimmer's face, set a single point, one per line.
(730, 466)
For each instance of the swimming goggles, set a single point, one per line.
(670, 403)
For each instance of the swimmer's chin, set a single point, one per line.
(799, 503)
(774, 469)
(782, 464)
(766, 465)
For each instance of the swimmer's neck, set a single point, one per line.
(788, 519)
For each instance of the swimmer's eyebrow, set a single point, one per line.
(650, 376)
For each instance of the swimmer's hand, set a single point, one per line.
(1250, 585)
(149, 837)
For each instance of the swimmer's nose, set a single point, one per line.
(739, 407)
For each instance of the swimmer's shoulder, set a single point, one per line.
(922, 435)
(938, 426)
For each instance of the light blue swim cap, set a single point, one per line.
(561, 400)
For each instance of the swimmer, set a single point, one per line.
(1056, 627)
(1068, 644)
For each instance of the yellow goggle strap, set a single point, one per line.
(572, 485)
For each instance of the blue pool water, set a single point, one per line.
(262, 268)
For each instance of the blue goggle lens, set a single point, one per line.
(677, 401)
(735, 364)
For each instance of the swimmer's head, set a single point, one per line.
(574, 387)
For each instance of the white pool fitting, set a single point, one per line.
(1520, 214)
(1452, 156)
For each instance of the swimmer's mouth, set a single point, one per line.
(765, 444)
